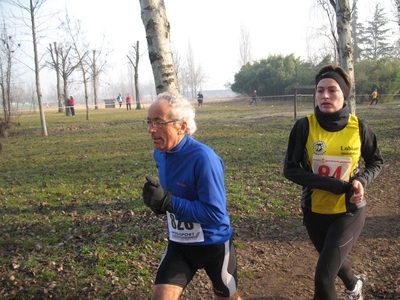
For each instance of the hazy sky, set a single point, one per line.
(212, 27)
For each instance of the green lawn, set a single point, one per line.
(73, 225)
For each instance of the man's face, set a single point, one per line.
(165, 132)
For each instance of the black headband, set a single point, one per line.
(338, 78)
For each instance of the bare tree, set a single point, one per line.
(33, 9)
(181, 72)
(184, 80)
(196, 74)
(343, 21)
(30, 93)
(157, 27)
(134, 60)
(63, 63)
(7, 50)
(245, 54)
(55, 64)
(97, 66)
(95, 77)
(68, 66)
(191, 69)
(332, 36)
(74, 31)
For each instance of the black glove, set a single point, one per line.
(156, 197)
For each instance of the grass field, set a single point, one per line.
(72, 223)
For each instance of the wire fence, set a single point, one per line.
(283, 100)
(302, 99)
(284, 104)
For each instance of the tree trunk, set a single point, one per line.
(59, 90)
(343, 19)
(5, 84)
(157, 29)
(95, 82)
(85, 85)
(66, 96)
(137, 91)
(77, 39)
(37, 69)
(135, 65)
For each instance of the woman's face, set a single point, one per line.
(329, 96)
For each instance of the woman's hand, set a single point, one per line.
(358, 192)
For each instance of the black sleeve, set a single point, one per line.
(371, 155)
(297, 169)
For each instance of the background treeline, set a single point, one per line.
(279, 75)
(375, 52)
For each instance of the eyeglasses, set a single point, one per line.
(158, 124)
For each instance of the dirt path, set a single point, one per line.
(277, 260)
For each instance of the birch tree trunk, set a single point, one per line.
(157, 29)
(346, 60)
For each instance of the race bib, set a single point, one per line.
(332, 166)
(184, 232)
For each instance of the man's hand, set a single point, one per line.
(156, 197)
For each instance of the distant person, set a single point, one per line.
(119, 99)
(324, 154)
(128, 101)
(253, 98)
(200, 99)
(71, 103)
(191, 191)
(374, 97)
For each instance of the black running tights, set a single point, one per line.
(333, 236)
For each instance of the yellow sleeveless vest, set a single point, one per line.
(332, 154)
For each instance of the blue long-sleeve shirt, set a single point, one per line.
(194, 174)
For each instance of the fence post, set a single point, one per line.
(295, 103)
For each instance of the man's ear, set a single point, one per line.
(183, 127)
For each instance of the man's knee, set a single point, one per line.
(166, 292)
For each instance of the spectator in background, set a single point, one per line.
(71, 103)
(374, 97)
(119, 99)
(253, 98)
(128, 101)
(200, 99)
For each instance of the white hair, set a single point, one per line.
(181, 110)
